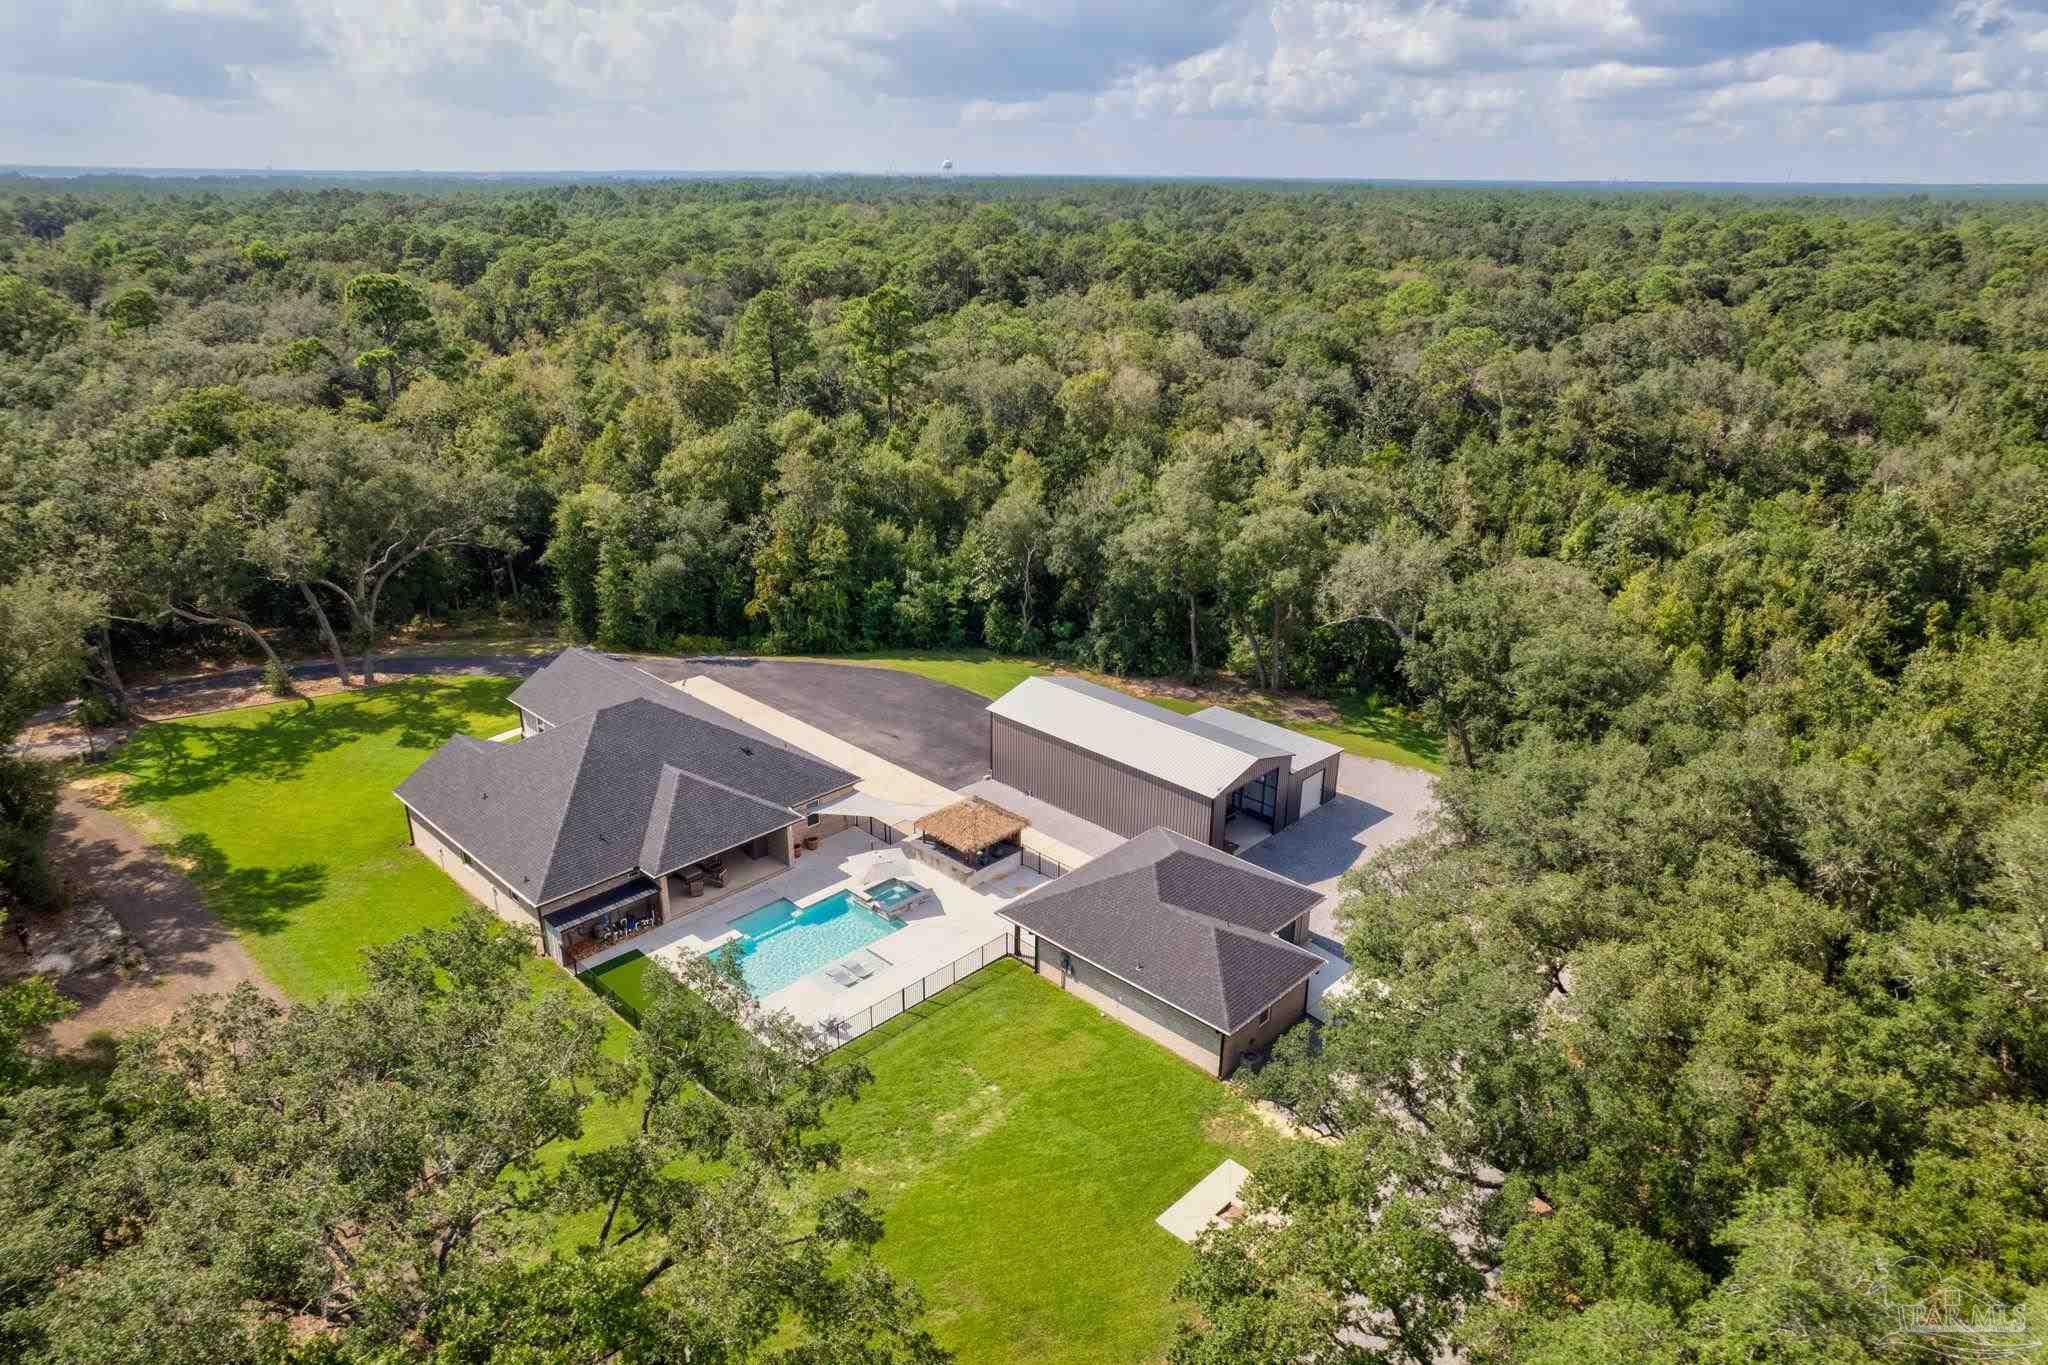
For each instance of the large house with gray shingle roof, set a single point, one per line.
(607, 810)
(1196, 949)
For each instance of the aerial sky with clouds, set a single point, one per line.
(1757, 90)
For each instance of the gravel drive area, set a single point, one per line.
(1378, 804)
(189, 953)
(936, 731)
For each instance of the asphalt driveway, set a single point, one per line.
(937, 731)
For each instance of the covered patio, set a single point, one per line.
(579, 933)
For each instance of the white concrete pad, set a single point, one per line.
(1194, 1211)
(931, 940)
(1330, 982)
(919, 958)
(879, 777)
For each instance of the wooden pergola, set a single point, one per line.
(971, 827)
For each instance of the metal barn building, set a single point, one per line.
(1130, 766)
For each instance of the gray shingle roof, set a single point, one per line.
(577, 682)
(1147, 738)
(1181, 921)
(694, 817)
(640, 784)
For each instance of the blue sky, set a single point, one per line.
(1521, 89)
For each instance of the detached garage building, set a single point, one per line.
(1130, 766)
(1195, 949)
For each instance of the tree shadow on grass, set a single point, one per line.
(180, 758)
(1376, 719)
(249, 900)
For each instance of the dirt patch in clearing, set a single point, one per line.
(183, 951)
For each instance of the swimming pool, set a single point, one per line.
(781, 941)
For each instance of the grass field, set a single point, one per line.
(1366, 726)
(284, 817)
(972, 670)
(1019, 1144)
(623, 979)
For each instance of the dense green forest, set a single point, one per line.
(1711, 1023)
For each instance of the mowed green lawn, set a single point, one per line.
(1019, 1145)
(284, 817)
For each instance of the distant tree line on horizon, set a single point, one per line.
(1710, 532)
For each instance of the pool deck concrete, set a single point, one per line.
(919, 958)
(700, 928)
(931, 940)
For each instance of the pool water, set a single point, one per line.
(781, 941)
(892, 893)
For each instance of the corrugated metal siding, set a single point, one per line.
(1092, 787)
(1290, 798)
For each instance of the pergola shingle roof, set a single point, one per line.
(972, 825)
(1185, 923)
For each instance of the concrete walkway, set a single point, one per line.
(1194, 1211)
(878, 776)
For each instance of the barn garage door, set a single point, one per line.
(1312, 792)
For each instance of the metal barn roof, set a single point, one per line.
(1202, 758)
(1307, 752)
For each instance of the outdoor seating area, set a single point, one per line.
(969, 840)
(597, 926)
(853, 970)
(693, 879)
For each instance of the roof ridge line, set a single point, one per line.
(694, 775)
(1255, 935)
(1064, 684)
